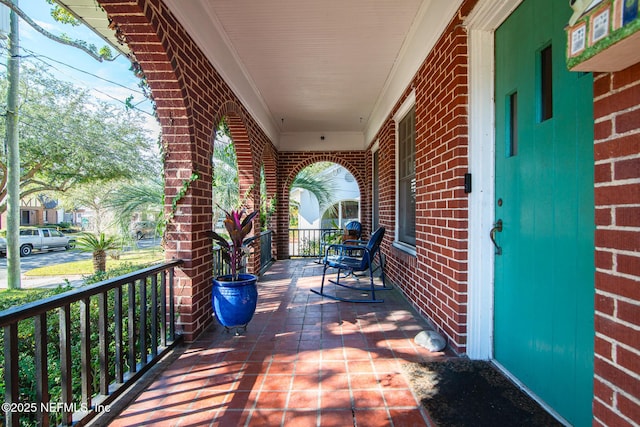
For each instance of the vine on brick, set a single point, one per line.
(179, 196)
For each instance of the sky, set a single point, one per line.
(108, 81)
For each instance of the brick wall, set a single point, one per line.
(191, 98)
(270, 163)
(435, 280)
(617, 252)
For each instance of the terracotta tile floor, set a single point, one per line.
(304, 361)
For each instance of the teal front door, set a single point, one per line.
(544, 272)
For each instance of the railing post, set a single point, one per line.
(131, 320)
(172, 308)
(104, 343)
(163, 309)
(85, 350)
(42, 376)
(154, 315)
(117, 314)
(65, 363)
(11, 390)
(143, 321)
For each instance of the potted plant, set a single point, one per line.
(235, 295)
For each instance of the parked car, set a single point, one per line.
(41, 239)
(142, 229)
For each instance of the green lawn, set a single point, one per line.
(141, 257)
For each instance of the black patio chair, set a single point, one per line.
(352, 257)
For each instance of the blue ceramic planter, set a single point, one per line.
(234, 302)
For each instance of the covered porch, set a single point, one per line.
(423, 139)
(304, 360)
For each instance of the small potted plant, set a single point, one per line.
(235, 295)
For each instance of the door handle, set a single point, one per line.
(497, 227)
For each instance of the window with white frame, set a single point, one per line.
(375, 193)
(406, 173)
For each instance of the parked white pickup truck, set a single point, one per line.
(42, 239)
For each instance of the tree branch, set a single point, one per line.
(41, 187)
(30, 173)
(52, 36)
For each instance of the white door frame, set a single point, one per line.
(481, 24)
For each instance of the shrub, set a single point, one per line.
(26, 341)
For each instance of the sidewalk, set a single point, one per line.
(30, 282)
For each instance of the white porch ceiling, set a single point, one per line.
(309, 68)
(319, 65)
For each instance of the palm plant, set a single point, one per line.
(321, 187)
(135, 197)
(225, 187)
(98, 245)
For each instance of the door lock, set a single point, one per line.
(497, 227)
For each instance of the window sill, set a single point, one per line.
(403, 247)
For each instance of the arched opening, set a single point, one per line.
(232, 185)
(267, 202)
(323, 197)
(225, 184)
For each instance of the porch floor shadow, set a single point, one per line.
(304, 360)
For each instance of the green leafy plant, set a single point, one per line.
(234, 252)
(98, 246)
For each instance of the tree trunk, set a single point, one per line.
(99, 261)
(13, 159)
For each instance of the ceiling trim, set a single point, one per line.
(217, 48)
(98, 23)
(432, 19)
(322, 141)
(488, 15)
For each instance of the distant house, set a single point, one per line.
(37, 210)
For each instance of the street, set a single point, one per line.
(59, 256)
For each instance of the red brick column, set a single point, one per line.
(617, 252)
(176, 69)
(270, 163)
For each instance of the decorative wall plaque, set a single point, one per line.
(605, 37)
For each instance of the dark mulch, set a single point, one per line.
(460, 392)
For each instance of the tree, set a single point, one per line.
(67, 138)
(92, 196)
(321, 187)
(133, 197)
(98, 245)
(11, 175)
(226, 190)
(10, 180)
(63, 16)
(148, 194)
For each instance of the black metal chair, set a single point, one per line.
(353, 257)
